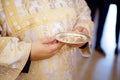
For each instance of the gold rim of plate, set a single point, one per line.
(72, 37)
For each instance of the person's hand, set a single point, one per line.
(45, 48)
(79, 29)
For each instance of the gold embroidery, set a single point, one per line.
(10, 7)
(3, 42)
(19, 25)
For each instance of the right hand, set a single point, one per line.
(45, 48)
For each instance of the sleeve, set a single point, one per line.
(84, 20)
(27, 65)
(13, 57)
(13, 53)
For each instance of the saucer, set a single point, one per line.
(72, 37)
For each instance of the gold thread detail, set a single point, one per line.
(35, 19)
(3, 42)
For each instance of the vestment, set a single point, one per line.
(33, 19)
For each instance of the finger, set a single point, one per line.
(82, 29)
(47, 40)
(78, 29)
(85, 31)
(55, 46)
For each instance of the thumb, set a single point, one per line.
(85, 31)
(78, 29)
(56, 46)
(47, 40)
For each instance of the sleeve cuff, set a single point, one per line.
(84, 46)
(27, 65)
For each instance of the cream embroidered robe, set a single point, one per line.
(27, 20)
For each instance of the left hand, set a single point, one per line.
(79, 29)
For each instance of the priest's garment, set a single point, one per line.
(24, 21)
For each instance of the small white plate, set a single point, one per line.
(72, 37)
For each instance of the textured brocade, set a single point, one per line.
(12, 57)
(3, 42)
(33, 19)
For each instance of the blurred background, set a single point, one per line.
(105, 62)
